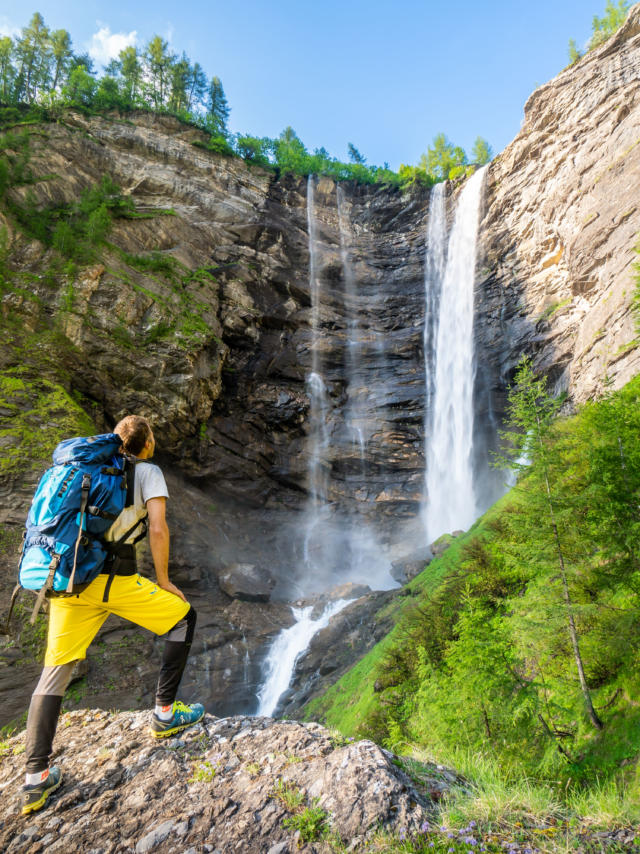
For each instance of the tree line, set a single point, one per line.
(40, 73)
(602, 28)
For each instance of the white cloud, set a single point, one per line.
(7, 28)
(105, 45)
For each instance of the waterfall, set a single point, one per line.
(287, 648)
(338, 544)
(435, 261)
(318, 435)
(451, 500)
(355, 414)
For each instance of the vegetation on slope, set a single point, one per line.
(601, 28)
(542, 589)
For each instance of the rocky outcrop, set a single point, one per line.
(225, 784)
(561, 220)
(247, 582)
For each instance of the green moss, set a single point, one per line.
(35, 414)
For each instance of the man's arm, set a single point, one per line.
(159, 542)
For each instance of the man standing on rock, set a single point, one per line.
(75, 620)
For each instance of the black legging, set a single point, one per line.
(47, 697)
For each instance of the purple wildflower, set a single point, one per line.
(450, 835)
(403, 834)
(472, 824)
(424, 827)
(469, 840)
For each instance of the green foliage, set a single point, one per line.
(613, 18)
(635, 300)
(203, 772)
(487, 659)
(603, 28)
(442, 158)
(36, 413)
(481, 153)
(288, 794)
(75, 230)
(312, 823)
(40, 75)
(574, 52)
(155, 262)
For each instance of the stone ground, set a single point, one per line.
(227, 784)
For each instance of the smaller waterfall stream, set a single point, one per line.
(288, 646)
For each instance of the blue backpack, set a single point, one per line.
(76, 502)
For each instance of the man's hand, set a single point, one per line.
(171, 588)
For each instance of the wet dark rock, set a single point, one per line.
(247, 582)
(406, 568)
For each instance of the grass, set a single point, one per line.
(312, 823)
(288, 794)
(203, 772)
(352, 699)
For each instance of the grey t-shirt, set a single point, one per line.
(148, 483)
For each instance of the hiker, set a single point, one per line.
(75, 620)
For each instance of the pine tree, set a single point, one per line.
(62, 56)
(613, 18)
(158, 62)
(7, 71)
(531, 417)
(481, 153)
(354, 154)
(217, 109)
(32, 52)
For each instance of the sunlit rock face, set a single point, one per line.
(561, 221)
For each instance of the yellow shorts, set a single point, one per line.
(74, 620)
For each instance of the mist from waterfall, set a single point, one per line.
(318, 442)
(355, 414)
(451, 502)
(339, 545)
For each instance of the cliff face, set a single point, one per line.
(200, 313)
(561, 221)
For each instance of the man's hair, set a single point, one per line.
(134, 431)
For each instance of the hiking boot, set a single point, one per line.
(35, 797)
(183, 716)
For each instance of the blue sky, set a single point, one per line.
(384, 75)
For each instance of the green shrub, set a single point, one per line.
(312, 823)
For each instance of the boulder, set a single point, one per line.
(247, 582)
(405, 568)
(221, 785)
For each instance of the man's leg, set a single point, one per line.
(44, 710)
(43, 716)
(169, 716)
(142, 602)
(73, 623)
(174, 658)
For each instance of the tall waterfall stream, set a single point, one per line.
(450, 501)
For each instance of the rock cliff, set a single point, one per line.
(561, 221)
